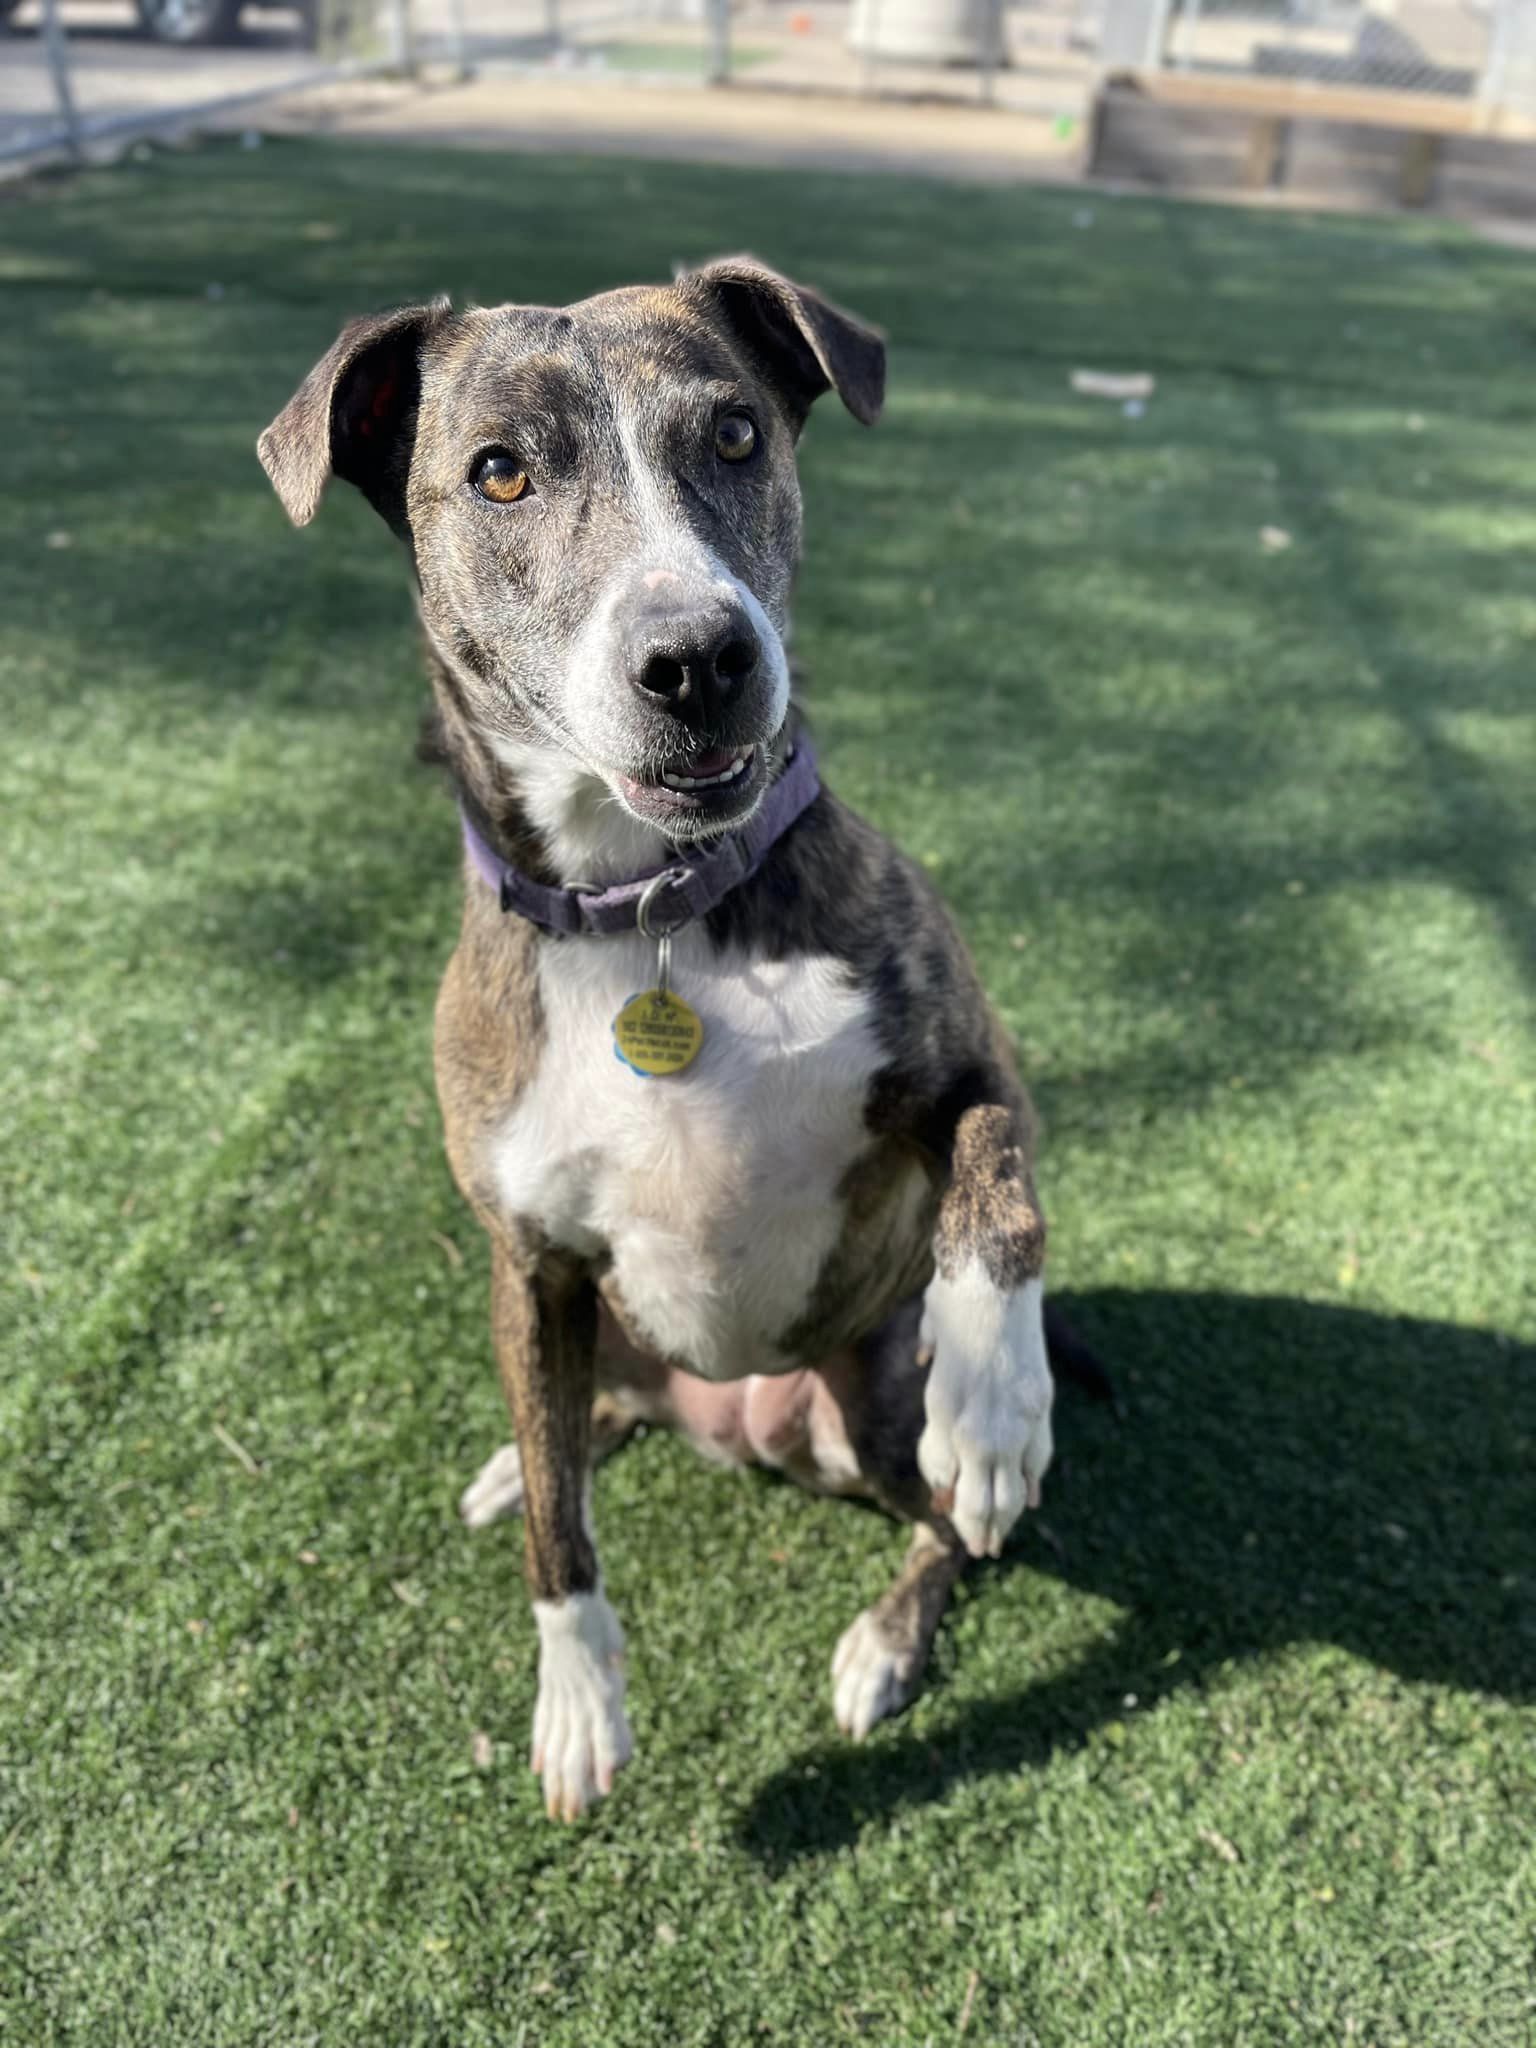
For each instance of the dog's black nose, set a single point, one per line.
(695, 663)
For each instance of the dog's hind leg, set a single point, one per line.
(879, 1660)
(497, 1488)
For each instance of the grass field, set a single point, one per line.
(1238, 1744)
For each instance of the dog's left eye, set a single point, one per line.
(735, 436)
(499, 477)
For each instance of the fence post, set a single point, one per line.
(1180, 47)
(58, 64)
(869, 56)
(462, 67)
(402, 50)
(718, 71)
(1159, 34)
(992, 48)
(1490, 86)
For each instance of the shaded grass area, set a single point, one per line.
(1237, 1744)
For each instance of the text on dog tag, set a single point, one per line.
(657, 1033)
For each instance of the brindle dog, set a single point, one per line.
(819, 1245)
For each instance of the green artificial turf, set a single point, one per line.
(1237, 1744)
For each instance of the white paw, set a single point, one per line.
(580, 1736)
(987, 1442)
(870, 1678)
(495, 1490)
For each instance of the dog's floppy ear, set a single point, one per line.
(805, 344)
(354, 415)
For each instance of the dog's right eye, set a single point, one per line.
(498, 476)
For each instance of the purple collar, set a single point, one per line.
(662, 899)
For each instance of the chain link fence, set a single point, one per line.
(1479, 50)
(78, 72)
(75, 73)
(983, 51)
(1415, 46)
(1406, 102)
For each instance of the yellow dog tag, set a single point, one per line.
(657, 1033)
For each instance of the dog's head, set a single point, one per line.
(603, 513)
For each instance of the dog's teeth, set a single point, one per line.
(737, 767)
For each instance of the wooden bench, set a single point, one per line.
(1274, 104)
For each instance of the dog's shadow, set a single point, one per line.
(1282, 1472)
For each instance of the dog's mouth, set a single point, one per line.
(699, 791)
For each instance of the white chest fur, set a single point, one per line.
(713, 1191)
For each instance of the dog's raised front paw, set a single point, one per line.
(581, 1738)
(872, 1675)
(987, 1442)
(495, 1490)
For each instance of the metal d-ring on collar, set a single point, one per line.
(647, 927)
(645, 923)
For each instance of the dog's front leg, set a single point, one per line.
(987, 1440)
(544, 1313)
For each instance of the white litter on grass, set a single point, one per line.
(1118, 385)
(1273, 539)
(1133, 408)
